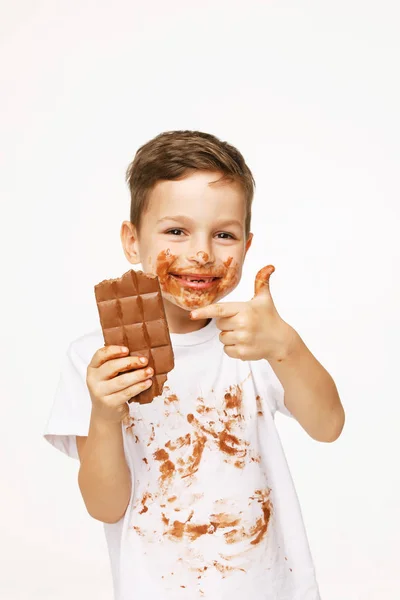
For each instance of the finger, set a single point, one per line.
(228, 338)
(106, 353)
(130, 392)
(113, 367)
(126, 380)
(261, 285)
(229, 323)
(227, 309)
(232, 351)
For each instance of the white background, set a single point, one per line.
(309, 92)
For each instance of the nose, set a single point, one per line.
(202, 258)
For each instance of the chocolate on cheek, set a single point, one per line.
(230, 278)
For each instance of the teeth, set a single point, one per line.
(192, 280)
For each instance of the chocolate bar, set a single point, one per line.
(132, 314)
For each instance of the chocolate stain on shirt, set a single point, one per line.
(224, 431)
(146, 496)
(152, 435)
(258, 531)
(233, 399)
(201, 407)
(167, 467)
(129, 422)
(138, 530)
(170, 399)
(192, 531)
(184, 440)
(224, 569)
(222, 520)
(193, 461)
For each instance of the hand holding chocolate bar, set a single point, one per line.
(112, 383)
(132, 315)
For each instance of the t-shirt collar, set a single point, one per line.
(192, 338)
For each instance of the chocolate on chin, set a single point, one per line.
(132, 314)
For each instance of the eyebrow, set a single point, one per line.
(224, 223)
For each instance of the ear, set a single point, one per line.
(248, 243)
(129, 240)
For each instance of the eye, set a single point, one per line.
(226, 238)
(172, 231)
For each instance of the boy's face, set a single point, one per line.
(191, 231)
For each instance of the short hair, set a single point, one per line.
(171, 154)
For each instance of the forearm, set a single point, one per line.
(310, 392)
(104, 477)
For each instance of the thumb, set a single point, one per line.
(262, 280)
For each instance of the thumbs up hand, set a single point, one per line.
(251, 330)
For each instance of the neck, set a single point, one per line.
(179, 320)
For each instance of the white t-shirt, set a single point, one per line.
(213, 512)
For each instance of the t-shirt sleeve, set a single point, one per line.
(269, 387)
(71, 410)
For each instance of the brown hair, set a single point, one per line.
(171, 154)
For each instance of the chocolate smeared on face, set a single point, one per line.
(203, 256)
(226, 278)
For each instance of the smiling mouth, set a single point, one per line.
(194, 278)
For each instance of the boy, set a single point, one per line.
(193, 489)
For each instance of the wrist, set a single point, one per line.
(102, 425)
(288, 340)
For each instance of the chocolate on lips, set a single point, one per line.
(132, 314)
